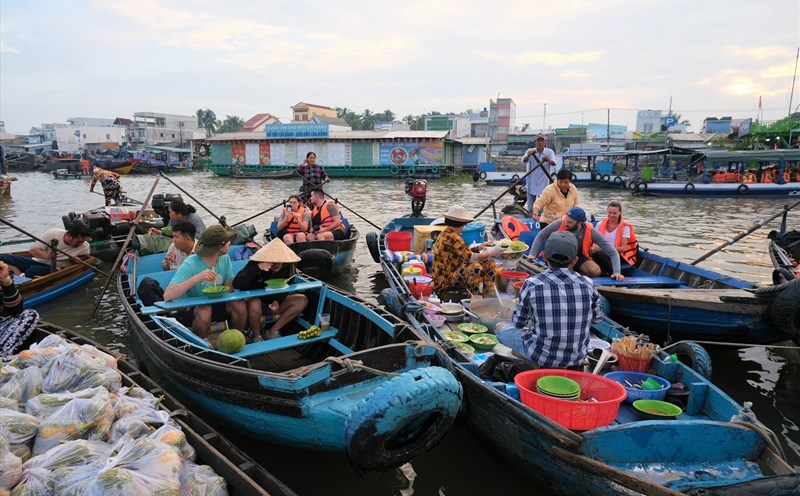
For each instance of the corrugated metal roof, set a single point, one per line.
(416, 134)
(474, 140)
(342, 135)
(237, 136)
(691, 136)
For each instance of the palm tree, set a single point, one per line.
(207, 119)
(231, 124)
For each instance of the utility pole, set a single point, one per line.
(608, 128)
(791, 94)
(544, 117)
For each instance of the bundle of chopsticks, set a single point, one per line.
(630, 347)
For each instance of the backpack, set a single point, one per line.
(149, 291)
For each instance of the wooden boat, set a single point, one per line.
(629, 456)
(369, 386)
(66, 174)
(323, 259)
(242, 474)
(120, 166)
(45, 288)
(278, 174)
(786, 266)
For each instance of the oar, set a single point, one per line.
(340, 203)
(161, 174)
(505, 191)
(123, 199)
(124, 247)
(258, 214)
(758, 225)
(74, 259)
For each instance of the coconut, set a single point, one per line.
(231, 341)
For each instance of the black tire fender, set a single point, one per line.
(694, 356)
(411, 171)
(617, 180)
(786, 303)
(782, 275)
(476, 176)
(372, 245)
(606, 178)
(742, 189)
(515, 178)
(401, 419)
(641, 187)
(483, 175)
(394, 169)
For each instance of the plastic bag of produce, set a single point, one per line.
(9, 404)
(107, 359)
(77, 369)
(10, 466)
(23, 386)
(136, 466)
(17, 427)
(86, 414)
(42, 352)
(170, 433)
(130, 400)
(37, 473)
(7, 372)
(201, 480)
(138, 424)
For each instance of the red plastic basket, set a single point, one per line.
(633, 364)
(576, 415)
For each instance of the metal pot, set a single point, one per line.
(489, 311)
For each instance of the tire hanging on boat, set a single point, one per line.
(515, 178)
(411, 171)
(606, 178)
(394, 170)
(483, 175)
(782, 275)
(316, 262)
(742, 189)
(617, 180)
(633, 185)
(689, 188)
(641, 187)
(403, 418)
(372, 245)
(694, 356)
(786, 304)
(476, 176)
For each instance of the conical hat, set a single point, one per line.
(275, 251)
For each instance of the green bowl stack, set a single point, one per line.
(559, 387)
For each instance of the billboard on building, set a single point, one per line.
(297, 131)
(411, 152)
(571, 132)
(744, 127)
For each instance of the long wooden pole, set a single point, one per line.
(758, 225)
(124, 247)
(505, 192)
(258, 214)
(340, 203)
(74, 259)
(161, 174)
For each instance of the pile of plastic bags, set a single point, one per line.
(68, 427)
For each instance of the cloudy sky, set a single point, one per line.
(61, 58)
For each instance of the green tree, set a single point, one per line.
(353, 119)
(207, 119)
(367, 120)
(231, 124)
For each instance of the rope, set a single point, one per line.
(747, 418)
(349, 365)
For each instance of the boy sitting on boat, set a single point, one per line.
(209, 266)
(182, 245)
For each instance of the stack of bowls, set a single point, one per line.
(559, 387)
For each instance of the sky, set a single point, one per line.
(574, 58)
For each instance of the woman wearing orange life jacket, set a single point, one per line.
(294, 221)
(619, 233)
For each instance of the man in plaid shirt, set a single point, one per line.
(560, 304)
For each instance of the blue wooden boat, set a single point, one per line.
(370, 386)
(322, 259)
(46, 288)
(714, 445)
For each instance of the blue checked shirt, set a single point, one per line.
(561, 305)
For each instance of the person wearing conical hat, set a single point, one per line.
(457, 266)
(273, 261)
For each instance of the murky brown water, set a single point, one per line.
(680, 228)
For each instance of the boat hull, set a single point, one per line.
(719, 189)
(51, 286)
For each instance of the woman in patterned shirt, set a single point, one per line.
(16, 324)
(314, 176)
(456, 266)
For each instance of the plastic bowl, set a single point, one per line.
(656, 410)
(276, 283)
(166, 230)
(472, 328)
(594, 356)
(464, 347)
(437, 320)
(638, 378)
(452, 308)
(215, 291)
(455, 336)
(595, 343)
(475, 339)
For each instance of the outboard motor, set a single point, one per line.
(160, 203)
(417, 189)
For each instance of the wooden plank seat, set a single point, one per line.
(282, 343)
(641, 281)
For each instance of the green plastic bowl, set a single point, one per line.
(455, 336)
(476, 340)
(556, 385)
(471, 328)
(656, 410)
(166, 230)
(464, 347)
(276, 283)
(215, 292)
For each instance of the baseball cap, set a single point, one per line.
(577, 214)
(212, 239)
(561, 246)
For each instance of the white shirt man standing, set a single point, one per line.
(538, 159)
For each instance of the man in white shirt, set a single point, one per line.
(539, 160)
(182, 246)
(69, 243)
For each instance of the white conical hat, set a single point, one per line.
(275, 251)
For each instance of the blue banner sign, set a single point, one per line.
(297, 131)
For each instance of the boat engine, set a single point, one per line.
(160, 203)
(417, 189)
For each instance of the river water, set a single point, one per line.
(676, 227)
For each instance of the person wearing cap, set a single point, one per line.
(273, 261)
(575, 222)
(551, 324)
(556, 199)
(209, 266)
(538, 160)
(455, 265)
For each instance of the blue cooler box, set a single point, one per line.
(473, 233)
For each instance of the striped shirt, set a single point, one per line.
(10, 300)
(561, 305)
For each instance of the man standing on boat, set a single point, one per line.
(314, 176)
(538, 160)
(110, 183)
(560, 306)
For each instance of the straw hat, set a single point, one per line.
(275, 251)
(457, 213)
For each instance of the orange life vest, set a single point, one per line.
(324, 216)
(586, 249)
(512, 227)
(293, 226)
(631, 252)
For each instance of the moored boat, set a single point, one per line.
(38, 290)
(369, 386)
(275, 174)
(66, 174)
(629, 455)
(784, 248)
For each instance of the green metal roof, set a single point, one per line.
(754, 155)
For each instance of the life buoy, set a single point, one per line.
(512, 227)
(641, 187)
(694, 356)
(742, 189)
(394, 169)
(316, 262)
(403, 418)
(782, 275)
(617, 180)
(411, 171)
(483, 174)
(372, 244)
(606, 178)
(476, 176)
(515, 178)
(434, 169)
(689, 188)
